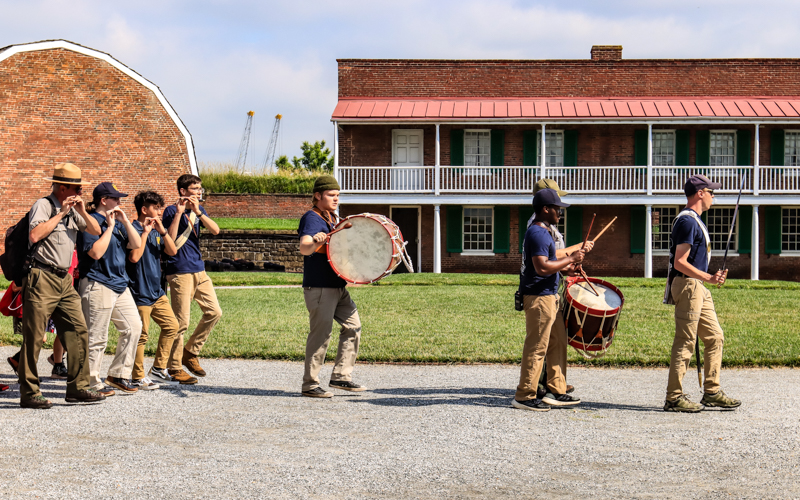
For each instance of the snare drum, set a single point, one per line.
(369, 250)
(591, 320)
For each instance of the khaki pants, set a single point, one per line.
(100, 306)
(48, 296)
(545, 335)
(183, 288)
(325, 305)
(162, 314)
(694, 316)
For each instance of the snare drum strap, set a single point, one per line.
(330, 221)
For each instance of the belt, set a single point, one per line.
(61, 273)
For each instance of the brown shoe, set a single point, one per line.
(107, 392)
(191, 363)
(182, 377)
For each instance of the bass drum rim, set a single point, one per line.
(391, 257)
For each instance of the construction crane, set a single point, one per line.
(244, 145)
(269, 157)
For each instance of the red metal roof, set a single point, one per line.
(414, 109)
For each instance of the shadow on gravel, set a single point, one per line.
(595, 405)
(467, 396)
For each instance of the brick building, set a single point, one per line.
(450, 150)
(62, 102)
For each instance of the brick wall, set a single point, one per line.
(568, 78)
(278, 247)
(264, 206)
(61, 106)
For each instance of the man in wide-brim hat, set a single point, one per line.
(54, 223)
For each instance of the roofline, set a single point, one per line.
(7, 52)
(571, 98)
(703, 120)
(573, 61)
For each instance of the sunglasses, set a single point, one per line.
(709, 191)
(558, 210)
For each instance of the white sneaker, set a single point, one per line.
(162, 376)
(144, 384)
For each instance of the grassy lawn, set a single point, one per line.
(468, 318)
(262, 224)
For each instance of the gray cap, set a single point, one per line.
(697, 182)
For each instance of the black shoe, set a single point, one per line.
(59, 371)
(540, 391)
(346, 385)
(85, 396)
(531, 404)
(37, 402)
(122, 384)
(560, 399)
(14, 365)
(570, 389)
(317, 392)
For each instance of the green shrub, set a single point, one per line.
(282, 182)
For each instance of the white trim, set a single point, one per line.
(516, 121)
(64, 44)
(477, 252)
(437, 239)
(418, 265)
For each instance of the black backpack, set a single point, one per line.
(15, 262)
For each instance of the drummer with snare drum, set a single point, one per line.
(326, 297)
(544, 323)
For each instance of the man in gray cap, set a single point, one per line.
(689, 256)
(326, 297)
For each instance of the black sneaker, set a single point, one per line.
(531, 404)
(37, 402)
(59, 371)
(122, 384)
(317, 392)
(560, 399)
(346, 385)
(85, 396)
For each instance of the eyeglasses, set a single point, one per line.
(558, 210)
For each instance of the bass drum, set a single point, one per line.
(591, 320)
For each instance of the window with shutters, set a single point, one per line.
(478, 227)
(791, 148)
(663, 148)
(662, 228)
(554, 148)
(718, 221)
(477, 148)
(790, 229)
(722, 150)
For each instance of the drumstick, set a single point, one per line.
(583, 273)
(347, 225)
(589, 231)
(604, 229)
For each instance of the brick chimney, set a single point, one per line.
(606, 52)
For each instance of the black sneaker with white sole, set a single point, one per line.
(59, 371)
(531, 404)
(346, 385)
(560, 399)
(317, 392)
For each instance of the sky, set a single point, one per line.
(216, 60)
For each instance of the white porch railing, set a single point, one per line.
(672, 179)
(784, 180)
(386, 179)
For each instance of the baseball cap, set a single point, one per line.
(107, 189)
(548, 184)
(697, 182)
(547, 197)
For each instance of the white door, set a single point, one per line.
(406, 154)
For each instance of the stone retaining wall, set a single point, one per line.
(279, 247)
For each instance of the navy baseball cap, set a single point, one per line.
(546, 197)
(107, 190)
(697, 182)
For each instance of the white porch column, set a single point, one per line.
(649, 162)
(756, 172)
(543, 158)
(437, 168)
(648, 243)
(336, 152)
(437, 238)
(754, 250)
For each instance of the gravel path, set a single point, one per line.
(421, 432)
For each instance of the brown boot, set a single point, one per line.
(182, 377)
(191, 363)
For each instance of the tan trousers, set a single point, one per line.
(183, 288)
(324, 305)
(545, 335)
(162, 314)
(694, 316)
(100, 306)
(48, 296)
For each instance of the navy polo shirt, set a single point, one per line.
(110, 268)
(188, 259)
(687, 230)
(145, 274)
(317, 271)
(538, 241)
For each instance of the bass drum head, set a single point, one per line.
(362, 253)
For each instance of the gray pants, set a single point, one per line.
(324, 305)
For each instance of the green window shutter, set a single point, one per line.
(497, 149)
(525, 212)
(742, 149)
(502, 229)
(702, 147)
(772, 229)
(704, 218)
(574, 225)
(530, 149)
(457, 147)
(682, 148)
(638, 228)
(455, 223)
(570, 148)
(745, 228)
(640, 149)
(776, 148)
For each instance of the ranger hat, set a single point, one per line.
(697, 182)
(326, 183)
(547, 197)
(66, 173)
(107, 190)
(548, 184)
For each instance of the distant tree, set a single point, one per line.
(316, 158)
(283, 164)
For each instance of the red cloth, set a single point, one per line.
(11, 303)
